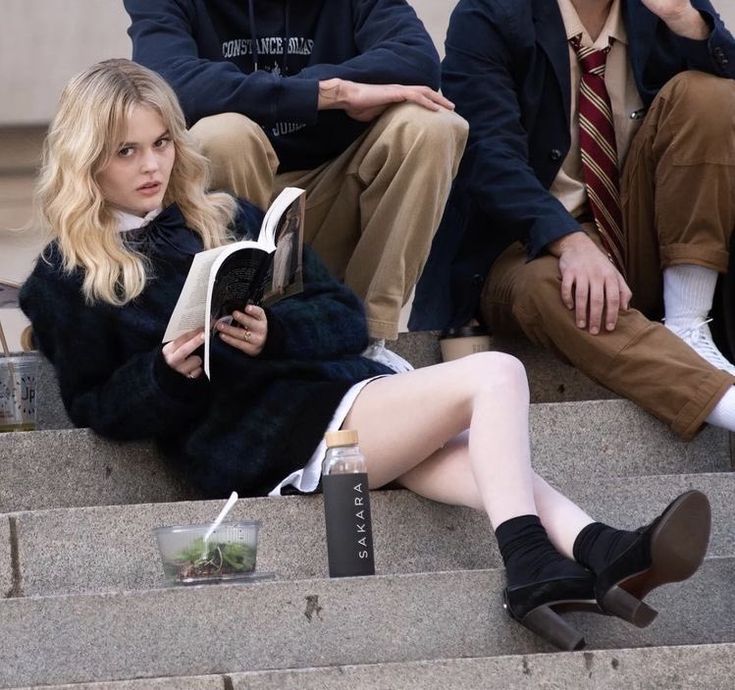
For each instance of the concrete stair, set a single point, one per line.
(685, 667)
(550, 380)
(317, 622)
(85, 602)
(74, 467)
(111, 549)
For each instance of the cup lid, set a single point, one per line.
(464, 332)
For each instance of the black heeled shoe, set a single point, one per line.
(670, 549)
(537, 605)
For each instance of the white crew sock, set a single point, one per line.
(723, 414)
(688, 293)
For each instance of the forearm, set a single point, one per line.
(141, 399)
(391, 47)
(326, 320)
(420, 70)
(261, 96)
(316, 326)
(711, 50)
(507, 189)
(687, 23)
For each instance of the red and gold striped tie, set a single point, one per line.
(599, 151)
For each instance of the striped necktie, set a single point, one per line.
(599, 151)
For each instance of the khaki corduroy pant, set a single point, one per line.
(678, 197)
(371, 213)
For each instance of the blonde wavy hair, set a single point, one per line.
(87, 131)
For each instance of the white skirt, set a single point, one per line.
(307, 478)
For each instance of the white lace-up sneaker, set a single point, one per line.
(378, 352)
(699, 338)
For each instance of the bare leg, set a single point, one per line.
(562, 518)
(447, 477)
(430, 452)
(487, 394)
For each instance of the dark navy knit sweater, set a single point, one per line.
(259, 419)
(265, 59)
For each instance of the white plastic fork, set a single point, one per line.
(218, 520)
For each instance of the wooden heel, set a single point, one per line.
(618, 602)
(549, 625)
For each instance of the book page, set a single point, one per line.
(240, 281)
(287, 262)
(190, 310)
(268, 237)
(236, 278)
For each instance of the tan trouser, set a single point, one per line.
(371, 213)
(678, 196)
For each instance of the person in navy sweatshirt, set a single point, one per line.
(123, 190)
(597, 194)
(334, 96)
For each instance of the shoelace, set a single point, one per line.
(696, 332)
(699, 338)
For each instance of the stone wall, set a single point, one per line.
(44, 42)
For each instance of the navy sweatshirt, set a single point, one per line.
(265, 58)
(258, 420)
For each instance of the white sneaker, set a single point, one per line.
(378, 352)
(699, 338)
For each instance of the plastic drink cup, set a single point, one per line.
(18, 375)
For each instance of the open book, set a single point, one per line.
(262, 271)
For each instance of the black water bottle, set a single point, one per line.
(347, 507)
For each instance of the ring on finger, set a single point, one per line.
(246, 335)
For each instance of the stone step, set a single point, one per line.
(85, 550)
(75, 467)
(686, 667)
(295, 624)
(550, 380)
(213, 682)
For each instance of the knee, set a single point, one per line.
(228, 134)
(440, 133)
(498, 374)
(538, 288)
(708, 99)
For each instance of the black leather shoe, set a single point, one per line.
(670, 549)
(536, 606)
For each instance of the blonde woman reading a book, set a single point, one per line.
(123, 191)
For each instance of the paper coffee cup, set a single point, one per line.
(460, 342)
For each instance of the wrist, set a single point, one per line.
(563, 244)
(688, 23)
(171, 381)
(331, 94)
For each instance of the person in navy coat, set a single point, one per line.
(521, 246)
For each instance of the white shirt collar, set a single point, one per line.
(128, 221)
(614, 26)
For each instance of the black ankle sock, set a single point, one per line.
(597, 545)
(528, 554)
